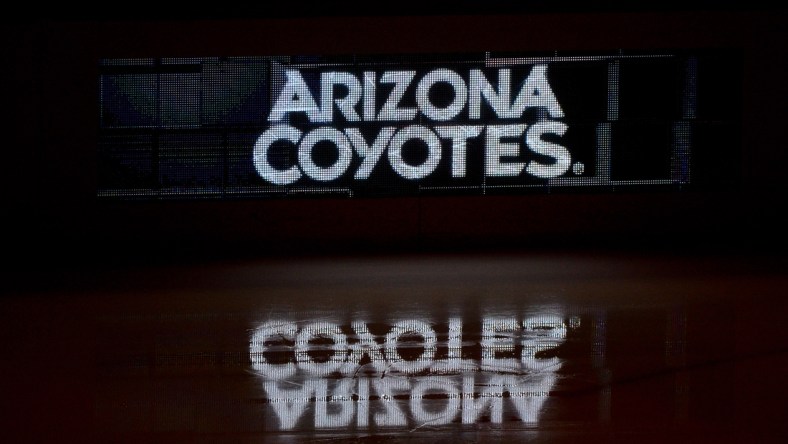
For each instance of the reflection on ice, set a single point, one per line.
(415, 374)
(400, 401)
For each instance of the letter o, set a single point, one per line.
(433, 154)
(423, 94)
(420, 328)
(302, 346)
(339, 167)
(445, 416)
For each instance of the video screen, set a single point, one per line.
(406, 125)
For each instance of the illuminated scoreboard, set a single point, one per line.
(469, 124)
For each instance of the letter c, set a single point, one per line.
(260, 155)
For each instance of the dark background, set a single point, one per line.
(51, 119)
(94, 292)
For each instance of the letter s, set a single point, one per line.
(533, 138)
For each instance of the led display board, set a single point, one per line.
(363, 125)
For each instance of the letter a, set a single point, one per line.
(295, 97)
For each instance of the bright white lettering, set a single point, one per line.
(267, 331)
(423, 94)
(497, 149)
(260, 155)
(536, 93)
(538, 145)
(499, 101)
(424, 134)
(294, 98)
(370, 154)
(344, 154)
(391, 109)
(338, 348)
(347, 104)
(407, 389)
(542, 333)
(341, 400)
(412, 327)
(459, 136)
(423, 415)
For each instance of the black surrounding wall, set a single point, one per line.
(121, 324)
(52, 122)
